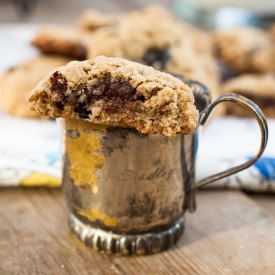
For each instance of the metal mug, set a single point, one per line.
(127, 192)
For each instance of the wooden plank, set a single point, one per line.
(229, 234)
(265, 201)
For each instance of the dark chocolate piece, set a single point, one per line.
(82, 111)
(60, 106)
(73, 98)
(59, 86)
(116, 93)
(108, 90)
(157, 58)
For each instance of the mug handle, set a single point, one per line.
(238, 99)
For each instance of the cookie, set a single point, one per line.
(118, 92)
(137, 35)
(193, 58)
(92, 20)
(153, 37)
(62, 40)
(245, 49)
(260, 88)
(16, 83)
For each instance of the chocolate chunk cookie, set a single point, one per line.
(16, 83)
(245, 49)
(118, 92)
(260, 88)
(62, 40)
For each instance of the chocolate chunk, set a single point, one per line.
(59, 85)
(113, 89)
(73, 98)
(157, 58)
(117, 91)
(82, 111)
(141, 98)
(60, 106)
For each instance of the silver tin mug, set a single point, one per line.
(127, 192)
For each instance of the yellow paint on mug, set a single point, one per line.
(83, 125)
(94, 214)
(38, 179)
(83, 152)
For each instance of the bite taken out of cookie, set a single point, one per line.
(118, 92)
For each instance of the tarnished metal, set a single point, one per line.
(126, 244)
(128, 189)
(139, 188)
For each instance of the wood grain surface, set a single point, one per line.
(265, 201)
(228, 234)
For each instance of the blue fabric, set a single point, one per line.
(266, 167)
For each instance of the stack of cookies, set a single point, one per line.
(151, 36)
(247, 56)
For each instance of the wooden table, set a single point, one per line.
(230, 233)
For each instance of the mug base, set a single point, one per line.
(123, 244)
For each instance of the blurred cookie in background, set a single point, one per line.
(245, 49)
(67, 41)
(136, 35)
(194, 61)
(17, 82)
(260, 88)
(152, 36)
(92, 20)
